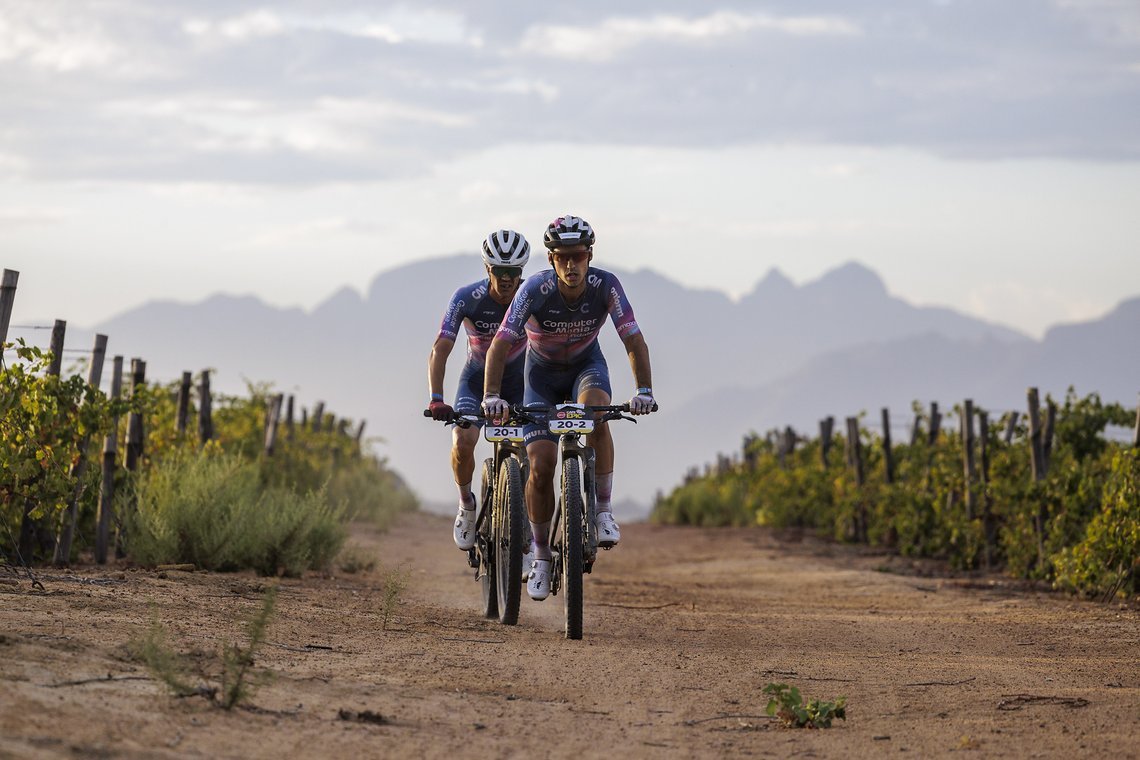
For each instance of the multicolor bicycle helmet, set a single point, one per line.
(567, 231)
(506, 248)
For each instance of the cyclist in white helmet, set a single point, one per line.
(479, 307)
(559, 314)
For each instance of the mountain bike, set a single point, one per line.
(573, 532)
(501, 526)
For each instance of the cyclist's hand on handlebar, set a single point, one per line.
(642, 403)
(440, 410)
(495, 408)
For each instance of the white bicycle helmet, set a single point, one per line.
(506, 248)
(568, 230)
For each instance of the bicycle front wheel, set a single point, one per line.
(510, 514)
(485, 541)
(572, 546)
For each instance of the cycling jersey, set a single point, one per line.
(473, 307)
(561, 333)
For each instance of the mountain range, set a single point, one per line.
(781, 355)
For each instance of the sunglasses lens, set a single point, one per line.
(577, 258)
(511, 272)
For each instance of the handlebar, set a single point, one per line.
(537, 414)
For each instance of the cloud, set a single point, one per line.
(212, 91)
(54, 41)
(614, 36)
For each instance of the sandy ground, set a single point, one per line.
(683, 629)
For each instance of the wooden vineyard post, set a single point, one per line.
(888, 457)
(135, 432)
(107, 489)
(969, 468)
(318, 416)
(182, 419)
(988, 526)
(916, 430)
(205, 412)
(786, 443)
(1010, 427)
(1037, 455)
(289, 418)
(7, 301)
(935, 423)
(1047, 434)
(1136, 432)
(360, 437)
(272, 415)
(826, 427)
(855, 461)
(58, 331)
(79, 469)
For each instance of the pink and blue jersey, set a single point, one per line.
(473, 307)
(560, 333)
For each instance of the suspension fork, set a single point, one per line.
(591, 489)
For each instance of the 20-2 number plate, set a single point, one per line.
(570, 418)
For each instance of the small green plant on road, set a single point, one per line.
(238, 678)
(788, 705)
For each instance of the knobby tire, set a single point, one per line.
(511, 518)
(485, 542)
(572, 546)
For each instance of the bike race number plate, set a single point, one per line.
(497, 433)
(570, 418)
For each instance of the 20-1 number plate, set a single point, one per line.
(570, 418)
(496, 433)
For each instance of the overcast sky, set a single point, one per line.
(983, 155)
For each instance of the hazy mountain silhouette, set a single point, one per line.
(782, 354)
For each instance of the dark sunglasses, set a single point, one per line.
(511, 272)
(566, 258)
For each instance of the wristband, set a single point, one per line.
(437, 397)
(644, 391)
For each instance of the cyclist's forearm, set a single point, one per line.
(437, 364)
(638, 351)
(493, 373)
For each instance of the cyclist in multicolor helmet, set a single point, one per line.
(559, 315)
(480, 308)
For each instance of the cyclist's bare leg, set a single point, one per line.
(603, 445)
(543, 456)
(600, 440)
(463, 442)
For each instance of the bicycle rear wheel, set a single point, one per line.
(571, 529)
(484, 541)
(510, 515)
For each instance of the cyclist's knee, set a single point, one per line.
(465, 439)
(542, 460)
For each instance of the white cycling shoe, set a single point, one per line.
(538, 582)
(608, 531)
(464, 533)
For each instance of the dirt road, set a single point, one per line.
(683, 629)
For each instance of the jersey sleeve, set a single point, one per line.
(619, 308)
(453, 317)
(513, 326)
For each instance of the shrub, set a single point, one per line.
(210, 510)
(1107, 561)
